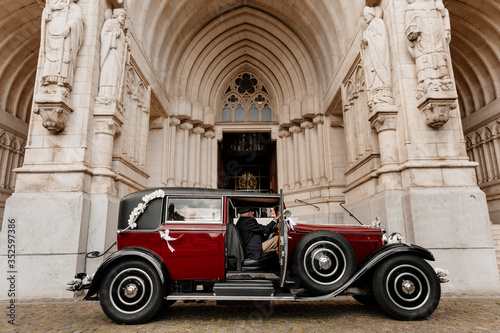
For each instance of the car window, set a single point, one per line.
(194, 210)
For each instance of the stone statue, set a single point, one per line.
(376, 58)
(62, 36)
(113, 53)
(428, 34)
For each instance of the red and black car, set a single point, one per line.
(183, 244)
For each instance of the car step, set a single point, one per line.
(244, 288)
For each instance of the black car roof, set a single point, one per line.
(202, 192)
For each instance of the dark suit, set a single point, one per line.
(252, 233)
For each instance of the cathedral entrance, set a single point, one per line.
(247, 162)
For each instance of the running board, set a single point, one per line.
(204, 297)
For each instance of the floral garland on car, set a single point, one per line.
(141, 207)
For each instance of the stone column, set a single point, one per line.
(186, 126)
(295, 130)
(105, 130)
(319, 120)
(307, 126)
(496, 149)
(384, 122)
(284, 134)
(211, 158)
(197, 131)
(174, 122)
(477, 154)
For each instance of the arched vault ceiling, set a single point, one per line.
(19, 45)
(303, 40)
(475, 51)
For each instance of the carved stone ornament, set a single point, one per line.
(53, 115)
(54, 106)
(437, 111)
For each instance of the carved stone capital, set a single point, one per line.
(198, 129)
(319, 119)
(209, 133)
(174, 121)
(437, 111)
(186, 125)
(384, 122)
(383, 117)
(107, 126)
(284, 132)
(295, 129)
(307, 124)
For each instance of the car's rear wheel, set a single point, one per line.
(131, 292)
(407, 287)
(324, 261)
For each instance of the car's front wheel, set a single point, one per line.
(131, 292)
(406, 287)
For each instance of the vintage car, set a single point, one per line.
(183, 244)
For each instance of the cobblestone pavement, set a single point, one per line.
(455, 313)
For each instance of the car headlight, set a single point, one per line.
(395, 238)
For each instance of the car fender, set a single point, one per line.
(376, 258)
(124, 254)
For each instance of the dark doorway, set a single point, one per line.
(247, 162)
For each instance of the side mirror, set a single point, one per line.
(287, 213)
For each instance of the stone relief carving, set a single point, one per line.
(132, 142)
(113, 55)
(427, 26)
(12, 148)
(483, 147)
(61, 39)
(360, 139)
(376, 58)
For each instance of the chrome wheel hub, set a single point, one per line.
(324, 262)
(130, 290)
(408, 287)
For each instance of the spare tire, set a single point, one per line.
(324, 261)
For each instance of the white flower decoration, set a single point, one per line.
(141, 207)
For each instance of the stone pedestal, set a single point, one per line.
(102, 228)
(453, 223)
(51, 231)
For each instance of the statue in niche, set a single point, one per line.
(62, 37)
(113, 54)
(376, 58)
(428, 34)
